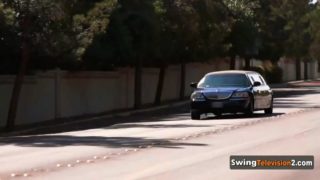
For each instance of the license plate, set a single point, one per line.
(217, 105)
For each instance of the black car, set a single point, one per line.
(231, 92)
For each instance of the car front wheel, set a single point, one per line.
(249, 111)
(269, 110)
(195, 115)
(217, 113)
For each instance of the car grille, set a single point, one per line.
(217, 95)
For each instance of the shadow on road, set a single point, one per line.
(110, 142)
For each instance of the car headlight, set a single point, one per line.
(197, 96)
(240, 95)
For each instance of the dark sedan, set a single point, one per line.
(231, 92)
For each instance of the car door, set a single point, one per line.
(266, 94)
(257, 91)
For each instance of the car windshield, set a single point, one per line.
(224, 80)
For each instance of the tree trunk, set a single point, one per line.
(138, 84)
(306, 70)
(247, 63)
(233, 63)
(17, 88)
(158, 96)
(25, 57)
(182, 81)
(298, 69)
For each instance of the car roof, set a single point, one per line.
(231, 72)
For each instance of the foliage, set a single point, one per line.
(102, 34)
(58, 31)
(272, 31)
(91, 24)
(294, 12)
(314, 31)
(8, 41)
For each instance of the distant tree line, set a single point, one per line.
(105, 34)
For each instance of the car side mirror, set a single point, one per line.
(255, 84)
(194, 85)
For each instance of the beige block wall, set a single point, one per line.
(149, 84)
(195, 71)
(193, 74)
(75, 94)
(171, 84)
(302, 70)
(89, 93)
(288, 67)
(36, 100)
(256, 63)
(313, 69)
(239, 63)
(127, 87)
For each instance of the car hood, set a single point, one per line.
(220, 93)
(226, 89)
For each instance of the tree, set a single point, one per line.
(24, 22)
(271, 31)
(244, 37)
(45, 29)
(294, 12)
(314, 31)
(91, 23)
(179, 27)
(130, 40)
(174, 32)
(194, 31)
(9, 44)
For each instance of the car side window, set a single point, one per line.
(257, 78)
(262, 80)
(252, 79)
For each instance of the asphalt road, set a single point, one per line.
(171, 146)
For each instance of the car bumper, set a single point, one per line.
(229, 105)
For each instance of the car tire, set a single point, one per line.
(195, 115)
(217, 113)
(269, 110)
(250, 109)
